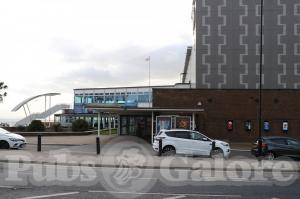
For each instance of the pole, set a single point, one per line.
(98, 137)
(149, 81)
(260, 77)
(39, 143)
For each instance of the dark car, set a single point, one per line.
(273, 147)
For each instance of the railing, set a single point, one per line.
(42, 115)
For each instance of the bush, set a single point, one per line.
(57, 127)
(21, 128)
(80, 125)
(36, 125)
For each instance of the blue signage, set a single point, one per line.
(267, 126)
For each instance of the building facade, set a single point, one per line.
(232, 114)
(226, 49)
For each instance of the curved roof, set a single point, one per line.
(32, 98)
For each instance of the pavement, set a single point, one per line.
(68, 167)
(135, 152)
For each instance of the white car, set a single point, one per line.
(188, 142)
(11, 140)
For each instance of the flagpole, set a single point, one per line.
(149, 58)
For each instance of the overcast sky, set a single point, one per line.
(59, 45)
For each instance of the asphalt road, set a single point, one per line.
(29, 181)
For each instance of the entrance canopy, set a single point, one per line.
(103, 109)
(121, 109)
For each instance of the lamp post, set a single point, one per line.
(148, 59)
(260, 77)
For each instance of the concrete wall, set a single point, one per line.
(237, 105)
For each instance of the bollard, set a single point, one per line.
(159, 147)
(98, 145)
(39, 143)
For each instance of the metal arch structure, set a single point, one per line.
(25, 106)
(23, 103)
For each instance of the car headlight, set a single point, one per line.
(15, 140)
(225, 144)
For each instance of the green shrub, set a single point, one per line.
(80, 125)
(21, 128)
(36, 125)
(57, 127)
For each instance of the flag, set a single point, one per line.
(148, 58)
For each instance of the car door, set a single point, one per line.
(279, 146)
(182, 142)
(200, 144)
(294, 147)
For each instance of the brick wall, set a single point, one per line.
(237, 105)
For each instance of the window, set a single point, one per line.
(182, 134)
(293, 142)
(99, 99)
(279, 141)
(88, 99)
(196, 136)
(78, 100)
(170, 133)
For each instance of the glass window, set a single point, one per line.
(170, 133)
(99, 99)
(78, 100)
(109, 99)
(293, 142)
(279, 141)
(88, 99)
(120, 98)
(132, 98)
(143, 98)
(196, 136)
(182, 134)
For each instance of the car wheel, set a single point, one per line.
(270, 156)
(217, 153)
(4, 145)
(169, 151)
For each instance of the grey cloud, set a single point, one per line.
(124, 67)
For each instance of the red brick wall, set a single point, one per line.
(237, 105)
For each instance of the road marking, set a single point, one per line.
(51, 196)
(242, 150)
(176, 197)
(169, 194)
(7, 187)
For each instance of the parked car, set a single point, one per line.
(188, 142)
(275, 146)
(11, 140)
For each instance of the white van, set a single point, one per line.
(11, 140)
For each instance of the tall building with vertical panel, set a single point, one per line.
(225, 52)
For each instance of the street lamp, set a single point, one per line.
(148, 59)
(260, 77)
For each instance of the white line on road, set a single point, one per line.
(51, 196)
(170, 194)
(7, 187)
(176, 197)
(242, 150)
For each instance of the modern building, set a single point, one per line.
(219, 90)
(225, 53)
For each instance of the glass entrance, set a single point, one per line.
(136, 126)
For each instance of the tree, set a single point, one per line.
(36, 126)
(2, 87)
